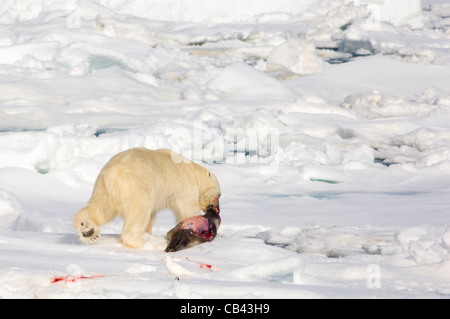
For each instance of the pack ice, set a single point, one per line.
(325, 121)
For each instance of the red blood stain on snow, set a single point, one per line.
(201, 265)
(205, 266)
(185, 258)
(72, 278)
(209, 267)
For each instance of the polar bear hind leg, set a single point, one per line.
(100, 210)
(149, 228)
(86, 227)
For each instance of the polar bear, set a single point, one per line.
(139, 182)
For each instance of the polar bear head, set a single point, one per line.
(209, 191)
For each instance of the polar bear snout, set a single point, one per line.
(214, 208)
(216, 205)
(213, 203)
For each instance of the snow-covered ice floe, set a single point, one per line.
(325, 121)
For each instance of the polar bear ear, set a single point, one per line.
(210, 175)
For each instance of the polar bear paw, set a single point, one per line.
(88, 232)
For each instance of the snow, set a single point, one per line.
(296, 56)
(325, 121)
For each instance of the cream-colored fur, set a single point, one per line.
(136, 184)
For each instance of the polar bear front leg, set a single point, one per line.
(149, 228)
(186, 208)
(86, 228)
(133, 229)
